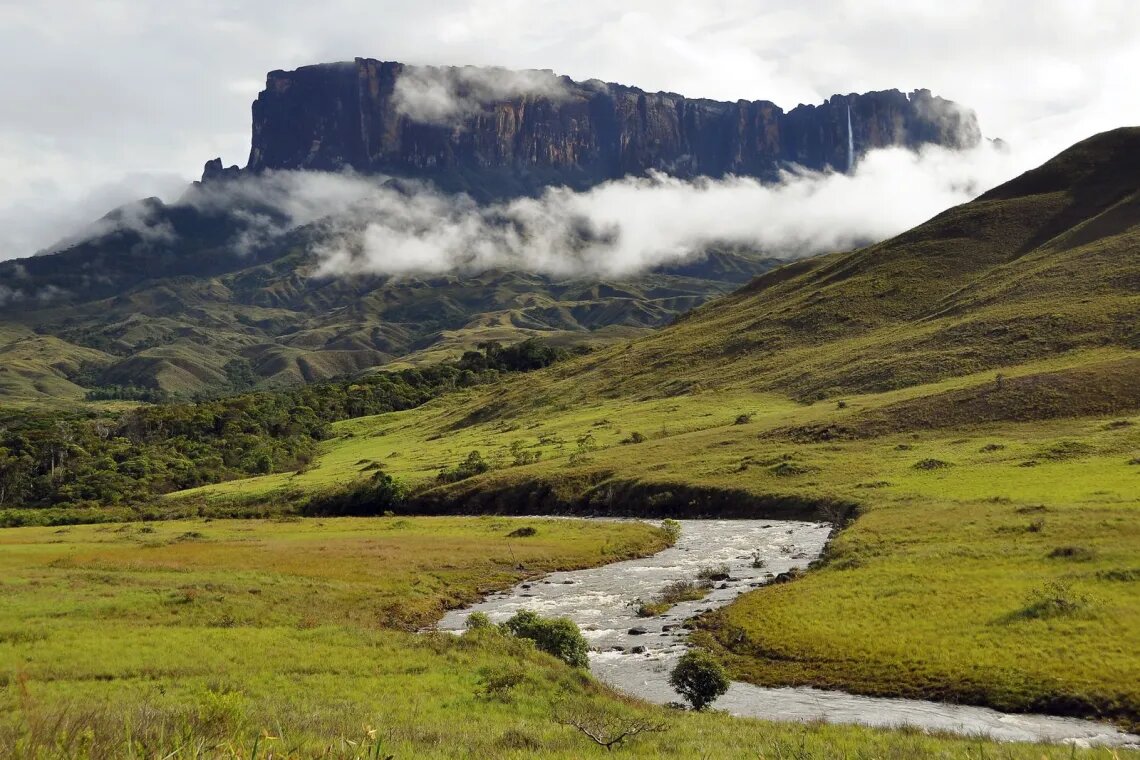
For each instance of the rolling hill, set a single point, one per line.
(963, 400)
(165, 296)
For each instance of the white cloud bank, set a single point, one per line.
(164, 86)
(622, 227)
(445, 95)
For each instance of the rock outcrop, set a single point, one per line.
(495, 132)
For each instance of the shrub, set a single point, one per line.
(604, 726)
(375, 496)
(743, 419)
(477, 621)
(699, 678)
(523, 532)
(931, 464)
(634, 437)
(1074, 553)
(556, 636)
(672, 527)
(472, 465)
(674, 593)
(499, 682)
(714, 572)
(1054, 599)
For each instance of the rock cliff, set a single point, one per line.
(495, 132)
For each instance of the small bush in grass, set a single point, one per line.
(743, 419)
(931, 464)
(1053, 599)
(634, 437)
(605, 726)
(672, 527)
(1073, 553)
(699, 678)
(524, 532)
(375, 496)
(556, 636)
(478, 621)
(499, 683)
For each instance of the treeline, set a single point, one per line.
(63, 459)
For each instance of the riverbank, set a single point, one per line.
(221, 639)
(635, 654)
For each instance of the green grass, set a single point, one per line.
(997, 343)
(919, 591)
(209, 639)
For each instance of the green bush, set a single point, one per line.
(376, 496)
(699, 678)
(556, 636)
(477, 621)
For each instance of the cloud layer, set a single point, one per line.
(623, 227)
(445, 95)
(162, 87)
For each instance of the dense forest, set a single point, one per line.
(88, 458)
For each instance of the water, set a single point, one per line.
(636, 654)
(850, 143)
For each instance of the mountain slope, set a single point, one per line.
(1035, 267)
(979, 448)
(167, 296)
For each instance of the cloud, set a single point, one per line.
(165, 86)
(446, 95)
(374, 225)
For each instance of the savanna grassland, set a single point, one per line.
(967, 392)
(962, 401)
(242, 639)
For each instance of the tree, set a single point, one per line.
(699, 678)
(606, 728)
(557, 636)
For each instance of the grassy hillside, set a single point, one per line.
(968, 391)
(169, 304)
(217, 639)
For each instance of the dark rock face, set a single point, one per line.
(496, 133)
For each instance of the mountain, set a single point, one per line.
(495, 133)
(1043, 266)
(166, 296)
(961, 401)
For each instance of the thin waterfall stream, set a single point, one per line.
(635, 655)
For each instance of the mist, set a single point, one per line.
(447, 94)
(376, 225)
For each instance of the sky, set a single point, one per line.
(106, 101)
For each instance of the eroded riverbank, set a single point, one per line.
(636, 654)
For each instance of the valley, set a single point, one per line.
(271, 489)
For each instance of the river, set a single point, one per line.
(636, 654)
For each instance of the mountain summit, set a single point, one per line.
(495, 132)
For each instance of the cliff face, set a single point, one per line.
(495, 132)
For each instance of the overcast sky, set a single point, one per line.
(104, 101)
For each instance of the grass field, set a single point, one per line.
(923, 595)
(204, 639)
(968, 392)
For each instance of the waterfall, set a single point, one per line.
(850, 142)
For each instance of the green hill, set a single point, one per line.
(967, 393)
(169, 301)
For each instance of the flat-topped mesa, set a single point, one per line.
(495, 132)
